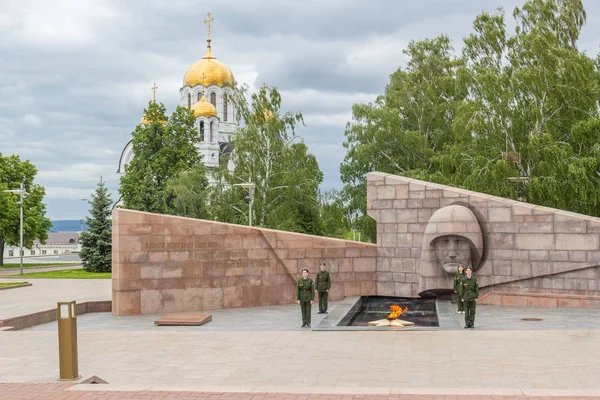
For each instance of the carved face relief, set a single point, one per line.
(452, 237)
(452, 251)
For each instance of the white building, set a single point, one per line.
(56, 244)
(207, 88)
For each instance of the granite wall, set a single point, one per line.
(167, 264)
(525, 248)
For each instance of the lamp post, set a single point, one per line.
(81, 221)
(20, 192)
(250, 186)
(518, 180)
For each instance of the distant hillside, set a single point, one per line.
(67, 225)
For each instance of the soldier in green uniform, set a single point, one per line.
(323, 283)
(458, 277)
(469, 293)
(305, 294)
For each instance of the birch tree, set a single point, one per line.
(511, 105)
(406, 126)
(269, 153)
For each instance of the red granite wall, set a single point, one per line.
(166, 264)
(526, 248)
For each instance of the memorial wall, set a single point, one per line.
(167, 264)
(424, 230)
(521, 254)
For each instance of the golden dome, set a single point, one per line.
(203, 108)
(208, 71)
(268, 115)
(145, 121)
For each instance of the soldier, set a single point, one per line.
(458, 277)
(468, 292)
(305, 294)
(323, 283)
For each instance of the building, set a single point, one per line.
(56, 244)
(207, 88)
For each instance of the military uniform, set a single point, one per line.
(323, 283)
(305, 293)
(458, 277)
(469, 291)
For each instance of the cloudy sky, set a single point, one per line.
(75, 75)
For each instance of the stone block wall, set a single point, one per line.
(526, 248)
(167, 264)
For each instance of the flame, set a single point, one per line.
(396, 311)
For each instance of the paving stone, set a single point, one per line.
(182, 319)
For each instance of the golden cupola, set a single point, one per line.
(214, 71)
(203, 108)
(144, 120)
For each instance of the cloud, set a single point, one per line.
(60, 23)
(32, 120)
(74, 173)
(75, 76)
(67, 193)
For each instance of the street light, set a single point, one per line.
(20, 192)
(250, 186)
(518, 180)
(81, 221)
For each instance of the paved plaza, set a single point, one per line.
(102, 392)
(263, 350)
(44, 293)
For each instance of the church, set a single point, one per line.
(207, 86)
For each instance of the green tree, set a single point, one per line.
(188, 189)
(405, 127)
(511, 105)
(13, 173)
(96, 243)
(163, 149)
(267, 153)
(334, 215)
(532, 113)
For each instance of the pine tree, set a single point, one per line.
(96, 243)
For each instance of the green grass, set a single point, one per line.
(7, 284)
(69, 274)
(35, 265)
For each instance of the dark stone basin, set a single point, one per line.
(437, 293)
(422, 312)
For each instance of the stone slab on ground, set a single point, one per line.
(183, 319)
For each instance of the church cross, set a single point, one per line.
(207, 22)
(154, 87)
